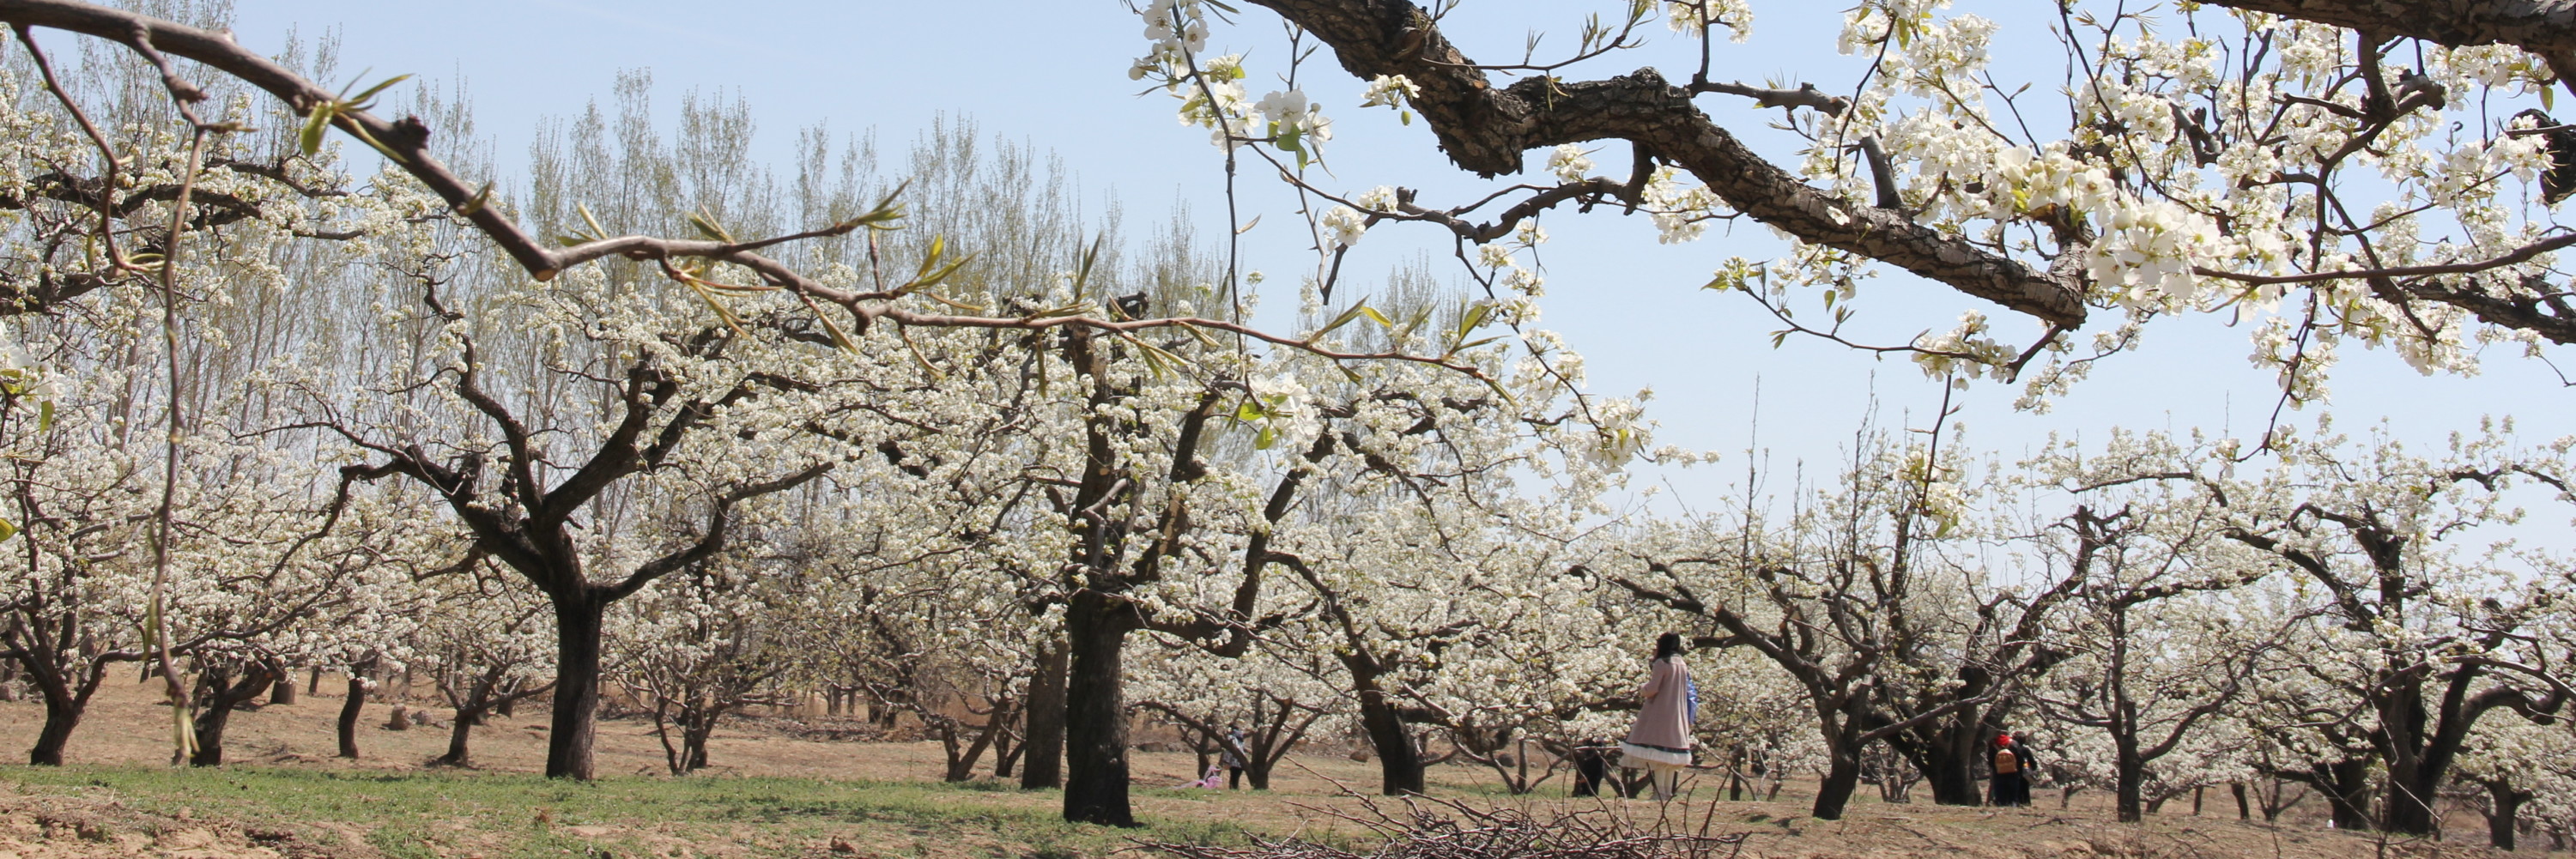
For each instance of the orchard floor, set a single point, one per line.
(771, 794)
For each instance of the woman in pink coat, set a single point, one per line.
(1661, 742)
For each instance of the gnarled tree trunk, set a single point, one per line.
(355, 705)
(578, 624)
(222, 697)
(1095, 723)
(1399, 764)
(1044, 746)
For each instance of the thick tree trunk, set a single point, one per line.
(282, 693)
(2410, 803)
(1945, 753)
(1399, 764)
(1006, 755)
(693, 742)
(2244, 810)
(2508, 808)
(2131, 778)
(221, 700)
(1735, 761)
(1045, 743)
(1951, 779)
(459, 738)
(578, 624)
(1095, 716)
(60, 719)
(1842, 778)
(461, 734)
(66, 697)
(2346, 785)
(352, 707)
(210, 734)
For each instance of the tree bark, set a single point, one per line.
(1095, 717)
(354, 706)
(1945, 752)
(1006, 755)
(221, 700)
(2508, 810)
(2130, 777)
(1487, 129)
(459, 739)
(1842, 778)
(2346, 784)
(2543, 27)
(961, 764)
(693, 741)
(60, 719)
(1399, 764)
(282, 693)
(578, 623)
(1044, 767)
(66, 694)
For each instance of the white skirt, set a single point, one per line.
(1643, 757)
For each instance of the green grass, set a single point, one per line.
(421, 814)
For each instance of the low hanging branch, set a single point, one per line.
(1486, 129)
(405, 142)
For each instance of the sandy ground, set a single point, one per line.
(127, 726)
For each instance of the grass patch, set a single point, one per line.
(440, 812)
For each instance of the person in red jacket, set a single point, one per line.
(2012, 773)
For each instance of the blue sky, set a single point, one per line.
(1053, 74)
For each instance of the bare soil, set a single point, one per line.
(127, 726)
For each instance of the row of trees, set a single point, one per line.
(1027, 479)
(274, 414)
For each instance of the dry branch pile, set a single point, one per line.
(1441, 829)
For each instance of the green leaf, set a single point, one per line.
(314, 123)
(840, 339)
(1268, 438)
(7, 529)
(477, 202)
(707, 227)
(1474, 318)
(1419, 317)
(44, 421)
(1380, 318)
(1356, 311)
(597, 232)
(1293, 141)
(1201, 336)
(1082, 273)
(371, 92)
